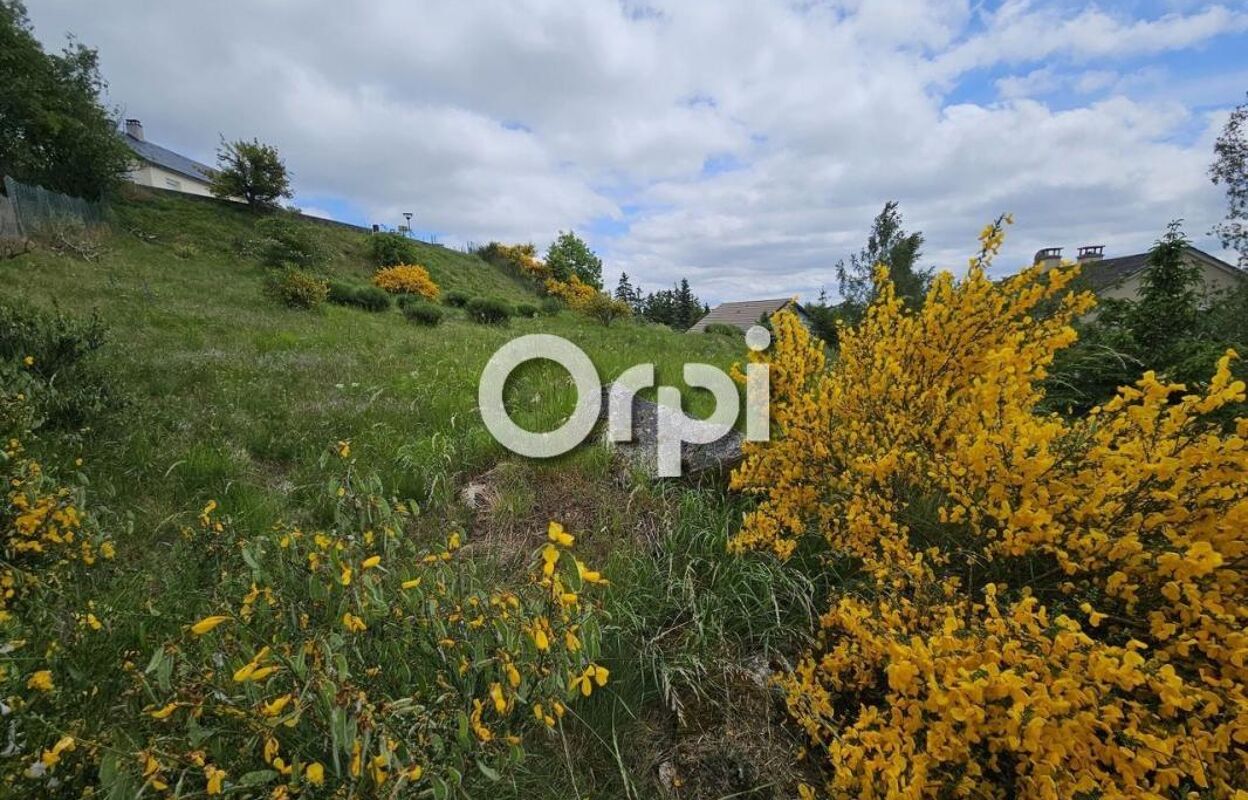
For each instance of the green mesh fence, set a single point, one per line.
(27, 208)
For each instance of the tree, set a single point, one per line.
(54, 130)
(252, 171)
(1230, 167)
(624, 290)
(888, 244)
(568, 255)
(677, 307)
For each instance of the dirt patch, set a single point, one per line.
(511, 505)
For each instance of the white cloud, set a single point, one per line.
(513, 120)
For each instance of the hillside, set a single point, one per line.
(229, 399)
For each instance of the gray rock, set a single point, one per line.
(720, 455)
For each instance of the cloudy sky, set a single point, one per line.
(742, 143)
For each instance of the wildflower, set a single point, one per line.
(216, 777)
(558, 535)
(207, 624)
(513, 675)
(370, 562)
(496, 694)
(344, 448)
(315, 773)
(411, 584)
(550, 556)
(51, 757)
(29, 361)
(353, 623)
(414, 772)
(345, 577)
(93, 622)
(41, 681)
(452, 542)
(275, 706)
(588, 575)
(165, 712)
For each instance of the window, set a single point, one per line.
(172, 184)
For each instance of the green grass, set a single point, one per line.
(234, 398)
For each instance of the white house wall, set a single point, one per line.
(146, 174)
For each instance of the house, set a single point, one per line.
(745, 313)
(1119, 277)
(162, 168)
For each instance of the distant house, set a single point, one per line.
(160, 167)
(1119, 277)
(745, 313)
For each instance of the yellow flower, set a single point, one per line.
(414, 772)
(496, 694)
(452, 542)
(345, 577)
(315, 773)
(41, 681)
(164, 713)
(344, 448)
(353, 623)
(558, 535)
(29, 361)
(215, 778)
(207, 624)
(412, 584)
(550, 556)
(370, 562)
(275, 706)
(513, 675)
(588, 575)
(260, 674)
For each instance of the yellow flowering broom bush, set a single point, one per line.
(348, 661)
(1030, 606)
(48, 539)
(406, 279)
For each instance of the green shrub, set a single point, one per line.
(423, 313)
(605, 309)
(526, 310)
(391, 249)
(50, 354)
(552, 306)
(488, 310)
(185, 250)
(285, 242)
(299, 289)
(369, 298)
(457, 299)
(723, 329)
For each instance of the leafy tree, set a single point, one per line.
(888, 244)
(54, 129)
(252, 171)
(568, 255)
(1230, 167)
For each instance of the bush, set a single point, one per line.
(285, 242)
(605, 309)
(1023, 606)
(526, 310)
(407, 279)
(391, 249)
(488, 310)
(723, 329)
(299, 289)
(552, 306)
(369, 298)
(456, 299)
(52, 354)
(253, 171)
(185, 250)
(423, 313)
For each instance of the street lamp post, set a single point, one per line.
(407, 215)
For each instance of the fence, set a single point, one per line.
(24, 208)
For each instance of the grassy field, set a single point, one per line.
(227, 396)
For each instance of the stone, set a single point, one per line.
(720, 455)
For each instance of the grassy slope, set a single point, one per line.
(236, 398)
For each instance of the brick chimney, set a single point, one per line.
(1091, 252)
(1048, 258)
(134, 129)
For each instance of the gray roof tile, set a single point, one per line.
(167, 159)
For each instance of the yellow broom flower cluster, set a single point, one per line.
(1034, 606)
(404, 279)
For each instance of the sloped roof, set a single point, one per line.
(1106, 272)
(167, 159)
(742, 314)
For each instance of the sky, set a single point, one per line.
(743, 144)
